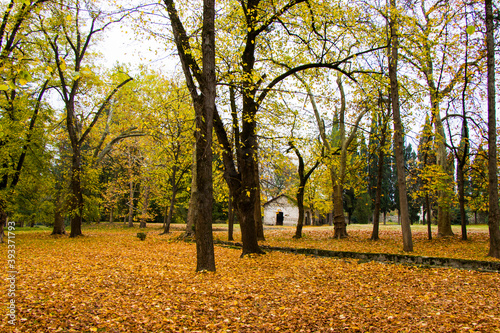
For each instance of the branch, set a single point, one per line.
(189, 64)
(20, 163)
(101, 109)
(110, 145)
(334, 65)
(280, 12)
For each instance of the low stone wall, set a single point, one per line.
(476, 265)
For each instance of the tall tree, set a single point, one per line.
(380, 123)
(65, 30)
(338, 145)
(203, 97)
(398, 128)
(494, 212)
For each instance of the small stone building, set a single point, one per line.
(283, 210)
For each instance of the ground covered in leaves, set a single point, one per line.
(475, 248)
(110, 281)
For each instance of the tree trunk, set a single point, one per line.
(429, 216)
(131, 204)
(111, 217)
(378, 194)
(170, 212)
(3, 220)
(494, 214)
(76, 202)
(166, 229)
(398, 133)
(259, 227)
(303, 178)
(340, 226)
(461, 199)
(143, 223)
(444, 200)
(204, 110)
(58, 228)
(230, 217)
(189, 232)
(300, 205)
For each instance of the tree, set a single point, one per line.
(16, 101)
(380, 126)
(203, 98)
(398, 128)
(303, 178)
(434, 51)
(426, 159)
(339, 144)
(69, 42)
(494, 211)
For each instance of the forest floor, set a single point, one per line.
(110, 281)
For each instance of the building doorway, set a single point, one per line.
(279, 218)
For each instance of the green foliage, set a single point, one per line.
(362, 212)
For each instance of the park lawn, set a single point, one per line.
(110, 281)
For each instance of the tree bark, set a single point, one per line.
(204, 106)
(398, 132)
(143, 223)
(378, 194)
(58, 228)
(303, 178)
(230, 218)
(169, 217)
(131, 204)
(76, 201)
(111, 213)
(429, 216)
(444, 200)
(189, 232)
(259, 226)
(494, 213)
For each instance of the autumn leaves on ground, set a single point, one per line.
(110, 281)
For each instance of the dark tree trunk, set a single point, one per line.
(143, 223)
(3, 220)
(111, 213)
(204, 107)
(494, 214)
(58, 223)
(303, 178)
(175, 187)
(461, 199)
(300, 221)
(189, 232)
(131, 204)
(429, 216)
(259, 226)
(340, 226)
(166, 228)
(398, 133)
(230, 217)
(378, 194)
(76, 202)
(59, 228)
(169, 217)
